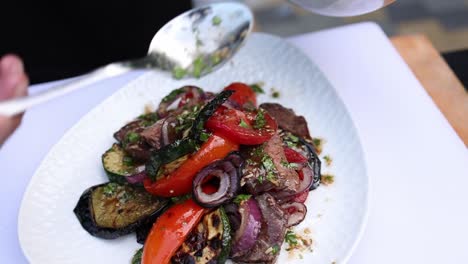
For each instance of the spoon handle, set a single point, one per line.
(18, 105)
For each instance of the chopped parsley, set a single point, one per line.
(243, 124)
(172, 95)
(260, 179)
(327, 179)
(216, 20)
(260, 121)
(241, 198)
(179, 199)
(132, 137)
(288, 165)
(318, 144)
(258, 152)
(186, 119)
(124, 197)
(290, 238)
(204, 136)
(179, 73)
(275, 94)
(137, 257)
(257, 89)
(149, 119)
(127, 161)
(270, 176)
(328, 160)
(291, 140)
(270, 168)
(267, 163)
(110, 188)
(198, 67)
(275, 249)
(317, 141)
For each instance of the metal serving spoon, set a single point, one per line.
(193, 44)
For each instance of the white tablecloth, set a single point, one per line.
(417, 164)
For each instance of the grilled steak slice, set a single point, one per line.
(130, 138)
(134, 126)
(271, 237)
(287, 119)
(152, 134)
(266, 169)
(140, 151)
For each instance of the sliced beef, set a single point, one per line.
(138, 150)
(258, 179)
(272, 232)
(152, 134)
(134, 126)
(287, 119)
(287, 179)
(254, 180)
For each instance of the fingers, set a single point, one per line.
(8, 126)
(13, 83)
(13, 79)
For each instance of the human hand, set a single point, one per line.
(13, 83)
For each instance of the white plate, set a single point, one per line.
(50, 233)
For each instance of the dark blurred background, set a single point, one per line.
(60, 39)
(444, 22)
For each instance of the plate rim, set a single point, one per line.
(368, 190)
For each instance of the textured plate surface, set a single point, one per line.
(50, 233)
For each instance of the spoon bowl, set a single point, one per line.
(201, 40)
(192, 44)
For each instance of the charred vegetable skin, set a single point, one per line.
(189, 144)
(314, 163)
(168, 154)
(109, 210)
(209, 241)
(179, 182)
(170, 231)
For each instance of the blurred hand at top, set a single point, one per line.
(13, 83)
(341, 8)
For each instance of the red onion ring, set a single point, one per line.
(247, 234)
(304, 185)
(228, 172)
(138, 177)
(296, 211)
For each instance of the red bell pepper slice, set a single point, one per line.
(243, 94)
(293, 156)
(170, 230)
(180, 181)
(241, 127)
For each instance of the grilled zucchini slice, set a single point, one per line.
(111, 210)
(118, 164)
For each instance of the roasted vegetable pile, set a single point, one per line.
(204, 178)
